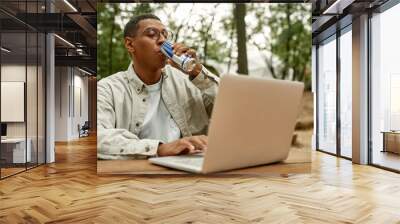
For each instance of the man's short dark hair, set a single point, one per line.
(132, 26)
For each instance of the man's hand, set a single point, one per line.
(187, 145)
(180, 49)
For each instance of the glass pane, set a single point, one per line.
(14, 153)
(346, 94)
(23, 59)
(41, 98)
(31, 85)
(31, 97)
(386, 89)
(327, 96)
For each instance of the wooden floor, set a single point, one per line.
(5, 172)
(69, 191)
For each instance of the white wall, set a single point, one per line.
(12, 73)
(80, 101)
(12, 101)
(61, 103)
(70, 84)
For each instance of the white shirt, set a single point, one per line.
(158, 122)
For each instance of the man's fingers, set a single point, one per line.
(192, 53)
(204, 139)
(179, 49)
(188, 144)
(198, 143)
(176, 46)
(185, 147)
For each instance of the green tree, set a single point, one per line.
(288, 39)
(112, 55)
(109, 55)
(199, 36)
(285, 31)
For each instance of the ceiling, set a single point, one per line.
(329, 15)
(72, 20)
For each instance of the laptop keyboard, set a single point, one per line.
(192, 160)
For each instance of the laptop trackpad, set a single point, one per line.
(191, 163)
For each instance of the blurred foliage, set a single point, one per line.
(288, 42)
(112, 56)
(281, 32)
(111, 53)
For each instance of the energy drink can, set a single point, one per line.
(185, 62)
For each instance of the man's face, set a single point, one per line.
(146, 46)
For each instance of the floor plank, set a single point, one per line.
(69, 191)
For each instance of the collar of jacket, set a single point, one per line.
(138, 84)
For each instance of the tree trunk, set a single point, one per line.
(286, 61)
(240, 13)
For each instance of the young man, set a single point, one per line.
(153, 108)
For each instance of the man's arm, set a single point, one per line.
(208, 85)
(112, 141)
(200, 77)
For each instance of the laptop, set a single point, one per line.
(252, 124)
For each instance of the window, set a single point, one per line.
(22, 78)
(327, 95)
(346, 95)
(385, 89)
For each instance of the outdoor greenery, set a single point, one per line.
(223, 35)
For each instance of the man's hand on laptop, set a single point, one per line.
(187, 145)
